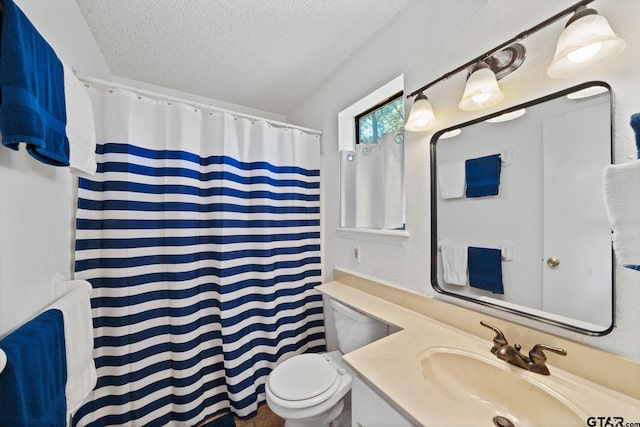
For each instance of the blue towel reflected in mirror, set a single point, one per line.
(635, 125)
(485, 269)
(483, 176)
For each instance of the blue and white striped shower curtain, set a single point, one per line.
(200, 234)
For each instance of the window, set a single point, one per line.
(384, 117)
(346, 123)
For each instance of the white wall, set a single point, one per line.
(427, 40)
(37, 211)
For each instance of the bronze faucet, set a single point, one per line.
(535, 362)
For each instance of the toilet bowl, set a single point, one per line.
(308, 390)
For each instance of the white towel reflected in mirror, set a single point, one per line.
(454, 263)
(451, 180)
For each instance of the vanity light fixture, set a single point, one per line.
(482, 89)
(421, 117)
(587, 40)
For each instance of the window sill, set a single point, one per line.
(367, 233)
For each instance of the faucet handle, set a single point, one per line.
(538, 358)
(499, 340)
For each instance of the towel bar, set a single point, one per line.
(506, 250)
(61, 287)
(506, 156)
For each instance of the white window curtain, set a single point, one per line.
(372, 194)
(200, 234)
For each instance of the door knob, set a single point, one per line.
(553, 262)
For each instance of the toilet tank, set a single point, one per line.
(355, 329)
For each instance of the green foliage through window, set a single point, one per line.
(382, 118)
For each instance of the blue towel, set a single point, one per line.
(635, 125)
(483, 176)
(32, 109)
(32, 385)
(485, 269)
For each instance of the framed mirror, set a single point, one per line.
(518, 219)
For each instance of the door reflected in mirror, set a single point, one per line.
(518, 217)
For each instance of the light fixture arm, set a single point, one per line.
(520, 36)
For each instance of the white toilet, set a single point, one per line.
(308, 390)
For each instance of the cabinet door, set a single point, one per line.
(369, 409)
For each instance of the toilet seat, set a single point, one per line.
(303, 381)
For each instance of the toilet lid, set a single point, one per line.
(302, 377)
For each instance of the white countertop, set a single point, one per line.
(393, 366)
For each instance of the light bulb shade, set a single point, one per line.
(507, 116)
(587, 92)
(421, 117)
(481, 91)
(451, 134)
(586, 42)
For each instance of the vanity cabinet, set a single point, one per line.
(369, 409)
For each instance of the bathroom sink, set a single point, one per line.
(474, 388)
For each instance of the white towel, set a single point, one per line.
(78, 334)
(451, 180)
(80, 127)
(454, 263)
(622, 198)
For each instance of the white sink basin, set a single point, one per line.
(475, 388)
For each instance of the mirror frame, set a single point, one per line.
(434, 211)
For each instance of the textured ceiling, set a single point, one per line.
(264, 54)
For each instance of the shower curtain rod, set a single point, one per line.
(161, 96)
